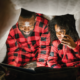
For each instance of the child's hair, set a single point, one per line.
(64, 22)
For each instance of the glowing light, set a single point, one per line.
(27, 24)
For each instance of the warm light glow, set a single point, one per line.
(27, 24)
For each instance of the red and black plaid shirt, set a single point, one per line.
(44, 50)
(55, 58)
(22, 50)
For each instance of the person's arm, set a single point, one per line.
(43, 48)
(77, 49)
(74, 49)
(76, 52)
(75, 56)
(12, 49)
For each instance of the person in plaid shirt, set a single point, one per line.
(23, 39)
(62, 31)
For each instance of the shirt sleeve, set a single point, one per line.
(76, 56)
(76, 50)
(55, 63)
(76, 53)
(12, 49)
(43, 48)
(53, 56)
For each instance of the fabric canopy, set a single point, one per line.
(10, 11)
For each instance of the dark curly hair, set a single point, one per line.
(64, 22)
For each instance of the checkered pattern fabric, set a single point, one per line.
(55, 58)
(44, 50)
(65, 57)
(22, 50)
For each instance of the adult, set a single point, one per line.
(23, 38)
(64, 44)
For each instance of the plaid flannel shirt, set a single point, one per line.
(22, 50)
(65, 57)
(44, 50)
(55, 58)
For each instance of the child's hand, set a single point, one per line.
(68, 41)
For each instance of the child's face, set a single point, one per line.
(60, 33)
